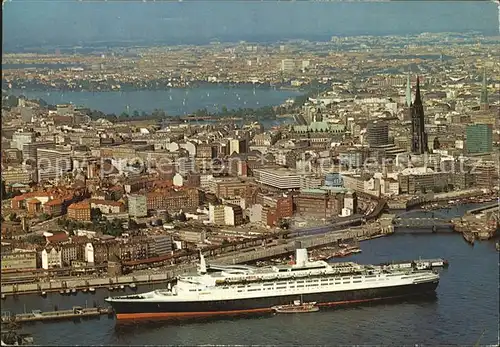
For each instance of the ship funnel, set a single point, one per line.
(202, 267)
(301, 257)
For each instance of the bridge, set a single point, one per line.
(427, 220)
(421, 223)
(484, 208)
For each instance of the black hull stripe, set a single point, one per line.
(146, 310)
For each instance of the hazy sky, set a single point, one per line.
(71, 23)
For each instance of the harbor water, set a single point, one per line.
(464, 311)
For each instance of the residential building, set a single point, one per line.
(193, 236)
(69, 253)
(216, 214)
(52, 164)
(173, 200)
(80, 211)
(233, 215)
(137, 206)
(161, 245)
(107, 206)
(54, 207)
(14, 175)
(21, 138)
(287, 65)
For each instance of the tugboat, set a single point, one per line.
(297, 307)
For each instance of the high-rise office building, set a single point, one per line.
(479, 138)
(377, 133)
(483, 102)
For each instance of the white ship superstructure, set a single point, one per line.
(244, 288)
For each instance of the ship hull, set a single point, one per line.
(138, 309)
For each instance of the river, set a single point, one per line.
(466, 305)
(174, 101)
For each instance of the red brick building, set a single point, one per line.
(80, 211)
(173, 200)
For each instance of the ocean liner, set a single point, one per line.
(241, 289)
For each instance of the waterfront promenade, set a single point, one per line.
(360, 233)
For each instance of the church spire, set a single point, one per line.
(484, 93)
(408, 89)
(418, 98)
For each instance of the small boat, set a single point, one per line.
(132, 286)
(111, 288)
(3, 297)
(92, 290)
(61, 292)
(117, 287)
(73, 290)
(497, 245)
(43, 294)
(84, 290)
(122, 287)
(68, 291)
(296, 307)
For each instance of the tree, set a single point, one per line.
(95, 214)
(35, 239)
(13, 217)
(136, 114)
(132, 224)
(284, 224)
(168, 218)
(182, 217)
(2, 189)
(44, 216)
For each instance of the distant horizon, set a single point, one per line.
(59, 24)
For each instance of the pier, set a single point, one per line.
(37, 316)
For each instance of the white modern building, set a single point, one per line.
(89, 253)
(51, 259)
(279, 178)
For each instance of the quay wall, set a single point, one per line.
(366, 232)
(433, 197)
